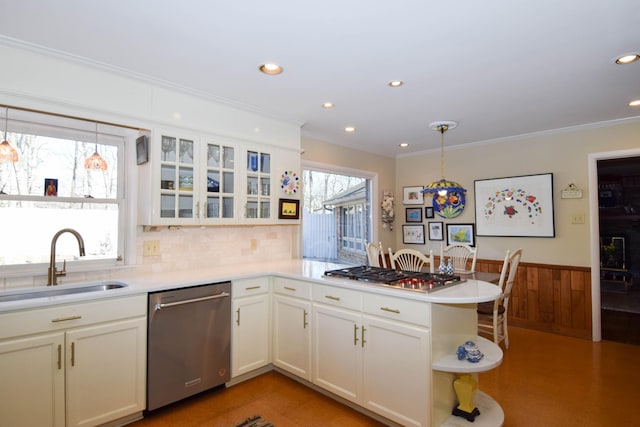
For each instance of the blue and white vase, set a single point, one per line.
(443, 267)
(450, 268)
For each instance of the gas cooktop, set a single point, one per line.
(399, 279)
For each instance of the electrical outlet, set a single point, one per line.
(151, 248)
(254, 244)
(577, 218)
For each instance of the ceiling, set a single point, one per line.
(499, 68)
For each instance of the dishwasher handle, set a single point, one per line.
(160, 306)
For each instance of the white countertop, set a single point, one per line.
(471, 291)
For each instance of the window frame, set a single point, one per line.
(70, 128)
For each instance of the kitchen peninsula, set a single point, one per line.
(389, 351)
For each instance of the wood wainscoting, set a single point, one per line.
(549, 298)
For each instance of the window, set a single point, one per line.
(49, 189)
(337, 215)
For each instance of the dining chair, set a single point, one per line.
(460, 256)
(492, 315)
(410, 260)
(375, 253)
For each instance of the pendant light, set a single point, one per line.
(443, 186)
(8, 154)
(95, 162)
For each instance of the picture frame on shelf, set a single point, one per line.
(436, 230)
(517, 206)
(428, 212)
(461, 234)
(413, 214)
(413, 234)
(288, 209)
(412, 195)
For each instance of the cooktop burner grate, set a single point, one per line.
(410, 280)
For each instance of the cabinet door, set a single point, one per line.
(338, 349)
(32, 390)
(105, 372)
(258, 186)
(397, 368)
(250, 336)
(179, 179)
(291, 335)
(220, 181)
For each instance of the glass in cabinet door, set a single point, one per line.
(186, 151)
(167, 206)
(265, 163)
(219, 181)
(168, 146)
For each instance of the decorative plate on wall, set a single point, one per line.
(290, 182)
(449, 206)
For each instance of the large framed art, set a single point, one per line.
(518, 206)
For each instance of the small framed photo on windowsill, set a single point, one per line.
(50, 187)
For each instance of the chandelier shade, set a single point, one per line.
(8, 154)
(443, 186)
(95, 161)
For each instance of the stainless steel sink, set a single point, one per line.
(48, 291)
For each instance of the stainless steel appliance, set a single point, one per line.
(189, 342)
(399, 279)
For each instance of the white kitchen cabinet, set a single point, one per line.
(194, 179)
(108, 360)
(292, 327)
(97, 348)
(380, 364)
(189, 180)
(32, 391)
(251, 326)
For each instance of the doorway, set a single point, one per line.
(618, 195)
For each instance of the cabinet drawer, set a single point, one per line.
(293, 288)
(400, 309)
(337, 296)
(65, 316)
(245, 287)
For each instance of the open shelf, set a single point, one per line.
(492, 358)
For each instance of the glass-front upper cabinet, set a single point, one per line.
(258, 191)
(177, 168)
(220, 180)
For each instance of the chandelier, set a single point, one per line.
(8, 154)
(443, 186)
(95, 162)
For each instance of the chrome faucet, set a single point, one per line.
(53, 273)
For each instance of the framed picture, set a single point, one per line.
(413, 214)
(288, 209)
(413, 234)
(142, 149)
(50, 187)
(462, 234)
(428, 212)
(519, 206)
(436, 231)
(412, 196)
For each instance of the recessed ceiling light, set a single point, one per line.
(396, 83)
(327, 105)
(635, 103)
(270, 68)
(628, 59)
(349, 129)
(403, 145)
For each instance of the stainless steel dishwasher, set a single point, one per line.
(189, 342)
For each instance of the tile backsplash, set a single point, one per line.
(189, 248)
